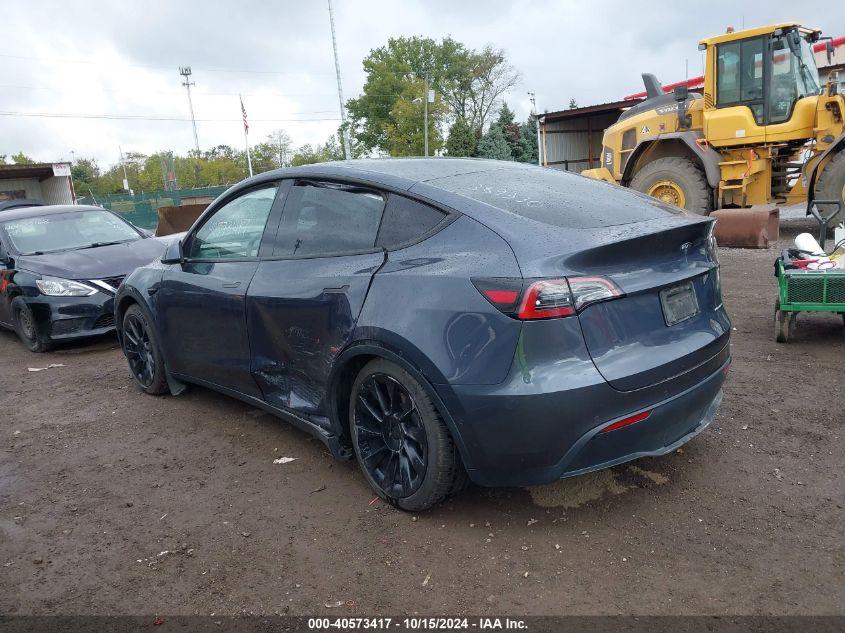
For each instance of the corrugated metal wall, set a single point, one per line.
(56, 190)
(572, 143)
(52, 190)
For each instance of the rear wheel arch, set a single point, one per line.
(349, 364)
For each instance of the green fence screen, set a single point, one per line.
(142, 209)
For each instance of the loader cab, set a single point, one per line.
(759, 85)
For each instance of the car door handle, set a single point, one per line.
(342, 288)
(231, 284)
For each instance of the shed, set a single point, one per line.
(571, 139)
(50, 183)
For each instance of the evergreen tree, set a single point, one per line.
(461, 140)
(494, 144)
(511, 130)
(527, 147)
(572, 103)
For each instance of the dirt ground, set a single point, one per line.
(114, 502)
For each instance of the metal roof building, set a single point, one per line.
(46, 182)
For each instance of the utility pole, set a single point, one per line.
(123, 164)
(346, 150)
(185, 71)
(537, 121)
(425, 119)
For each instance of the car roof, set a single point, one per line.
(398, 173)
(37, 212)
(19, 203)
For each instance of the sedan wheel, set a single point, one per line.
(27, 329)
(402, 444)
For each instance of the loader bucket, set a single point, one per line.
(757, 227)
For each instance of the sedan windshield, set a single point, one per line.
(68, 231)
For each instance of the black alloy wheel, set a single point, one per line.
(140, 346)
(136, 345)
(390, 436)
(401, 441)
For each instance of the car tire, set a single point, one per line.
(677, 177)
(831, 186)
(27, 329)
(142, 351)
(400, 440)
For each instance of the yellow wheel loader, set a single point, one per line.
(764, 131)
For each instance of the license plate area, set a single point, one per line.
(679, 303)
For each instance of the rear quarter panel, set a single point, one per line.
(423, 304)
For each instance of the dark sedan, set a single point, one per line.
(60, 267)
(443, 320)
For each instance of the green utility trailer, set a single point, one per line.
(806, 291)
(803, 290)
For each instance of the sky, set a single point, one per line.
(121, 59)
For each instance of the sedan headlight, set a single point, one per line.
(56, 287)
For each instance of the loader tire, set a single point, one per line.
(831, 186)
(676, 181)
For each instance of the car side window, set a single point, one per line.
(328, 219)
(406, 221)
(236, 228)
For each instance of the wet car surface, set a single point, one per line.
(443, 320)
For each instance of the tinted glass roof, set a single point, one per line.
(426, 169)
(556, 197)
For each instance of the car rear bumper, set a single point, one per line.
(528, 431)
(64, 318)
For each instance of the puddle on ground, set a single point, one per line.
(576, 491)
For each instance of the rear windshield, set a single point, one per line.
(556, 197)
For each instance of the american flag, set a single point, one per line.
(243, 111)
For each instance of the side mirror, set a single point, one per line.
(173, 253)
(681, 93)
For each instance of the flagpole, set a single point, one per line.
(246, 137)
(248, 157)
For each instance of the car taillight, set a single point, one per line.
(546, 300)
(587, 290)
(533, 299)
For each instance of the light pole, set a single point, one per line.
(537, 122)
(185, 71)
(427, 98)
(346, 149)
(425, 119)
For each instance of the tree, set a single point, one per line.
(405, 132)
(494, 144)
(84, 173)
(573, 104)
(469, 83)
(527, 147)
(22, 159)
(394, 72)
(461, 140)
(510, 128)
(280, 141)
(492, 76)
(308, 154)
